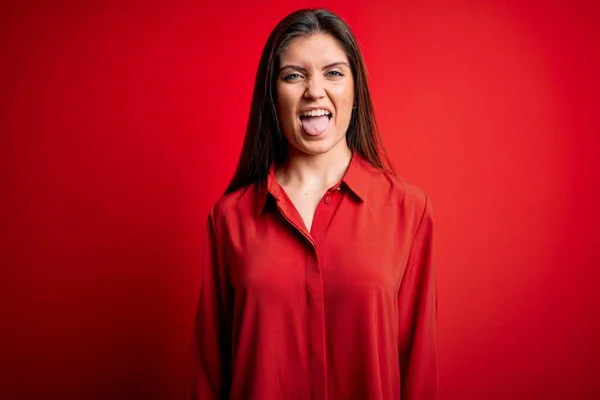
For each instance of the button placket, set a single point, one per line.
(316, 311)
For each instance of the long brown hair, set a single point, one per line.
(264, 143)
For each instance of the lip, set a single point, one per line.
(306, 109)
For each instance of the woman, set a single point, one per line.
(317, 281)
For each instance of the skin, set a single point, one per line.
(315, 71)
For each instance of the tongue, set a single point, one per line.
(315, 126)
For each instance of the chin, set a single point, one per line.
(317, 150)
(317, 147)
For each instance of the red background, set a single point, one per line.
(121, 124)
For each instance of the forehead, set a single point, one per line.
(317, 49)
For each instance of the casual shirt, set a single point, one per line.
(346, 310)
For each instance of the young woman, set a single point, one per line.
(317, 278)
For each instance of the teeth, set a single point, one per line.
(315, 113)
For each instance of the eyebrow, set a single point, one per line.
(299, 68)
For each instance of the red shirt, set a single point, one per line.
(345, 311)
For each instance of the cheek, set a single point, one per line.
(286, 113)
(286, 106)
(344, 96)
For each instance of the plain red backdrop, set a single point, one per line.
(121, 124)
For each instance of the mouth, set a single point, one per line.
(315, 122)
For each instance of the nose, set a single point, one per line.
(315, 88)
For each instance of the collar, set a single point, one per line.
(357, 178)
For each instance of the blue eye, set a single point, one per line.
(290, 77)
(335, 73)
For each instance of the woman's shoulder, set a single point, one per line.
(239, 202)
(395, 188)
(385, 184)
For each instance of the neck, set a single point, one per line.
(315, 172)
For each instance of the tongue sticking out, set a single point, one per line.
(314, 126)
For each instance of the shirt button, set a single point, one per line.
(327, 200)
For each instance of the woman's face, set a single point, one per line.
(315, 94)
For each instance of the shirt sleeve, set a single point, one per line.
(211, 340)
(417, 307)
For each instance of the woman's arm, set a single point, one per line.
(211, 341)
(417, 307)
